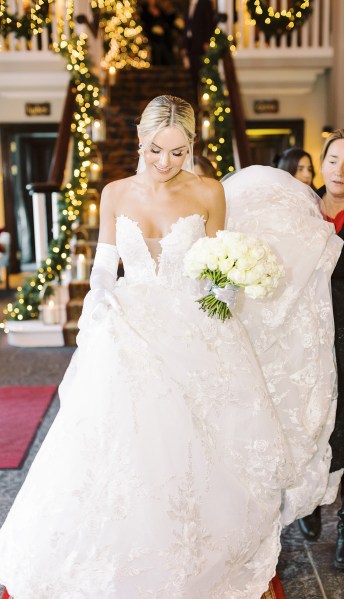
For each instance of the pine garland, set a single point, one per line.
(27, 301)
(34, 19)
(221, 142)
(275, 23)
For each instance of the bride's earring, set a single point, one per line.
(140, 148)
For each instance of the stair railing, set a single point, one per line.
(41, 191)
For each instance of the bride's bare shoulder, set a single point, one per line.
(211, 191)
(115, 191)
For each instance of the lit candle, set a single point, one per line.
(81, 267)
(112, 75)
(92, 215)
(205, 99)
(94, 171)
(50, 313)
(205, 128)
(98, 130)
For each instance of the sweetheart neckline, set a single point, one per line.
(156, 263)
(172, 226)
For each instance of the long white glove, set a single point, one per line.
(103, 280)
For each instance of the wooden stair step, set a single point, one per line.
(70, 331)
(78, 289)
(74, 309)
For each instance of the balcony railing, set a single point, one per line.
(313, 38)
(58, 24)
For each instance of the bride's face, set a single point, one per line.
(165, 155)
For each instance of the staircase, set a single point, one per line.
(132, 92)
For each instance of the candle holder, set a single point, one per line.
(81, 261)
(51, 306)
(104, 96)
(98, 129)
(205, 126)
(95, 166)
(90, 216)
(93, 215)
(112, 75)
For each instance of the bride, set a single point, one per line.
(162, 475)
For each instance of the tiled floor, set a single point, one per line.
(306, 569)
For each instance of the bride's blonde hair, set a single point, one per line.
(167, 111)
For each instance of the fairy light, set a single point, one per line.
(273, 22)
(74, 51)
(214, 100)
(122, 35)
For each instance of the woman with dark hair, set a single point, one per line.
(298, 163)
(204, 167)
(332, 208)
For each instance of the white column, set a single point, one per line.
(240, 30)
(55, 196)
(326, 21)
(315, 21)
(284, 6)
(272, 42)
(40, 226)
(54, 24)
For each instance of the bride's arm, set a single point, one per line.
(107, 226)
(216, 207)
(104, 272)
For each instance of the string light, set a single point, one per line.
(35, 18)
(117, 16)
(125, 44)
(74, 51)
(214, 98)
(275, 23)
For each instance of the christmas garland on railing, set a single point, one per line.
(275, 23)
(220, 144)
(34, 19)
(87, 100)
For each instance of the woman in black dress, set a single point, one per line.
(332, 208)
(157, 26)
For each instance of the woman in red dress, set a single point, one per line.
(332, 208)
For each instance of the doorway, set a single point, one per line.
(269, 139)
(27, 152)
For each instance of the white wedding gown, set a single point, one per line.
(293, 332)
(161, 476)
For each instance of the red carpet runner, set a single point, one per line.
(275, 591)
(21, 412)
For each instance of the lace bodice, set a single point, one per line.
(140, 266)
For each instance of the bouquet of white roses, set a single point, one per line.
(227, 262)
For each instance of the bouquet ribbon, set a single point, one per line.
(227, 294)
